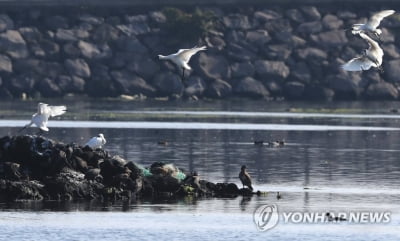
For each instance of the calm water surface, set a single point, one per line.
(339, 157)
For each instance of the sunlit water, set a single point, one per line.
(337, 158)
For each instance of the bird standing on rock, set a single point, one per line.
(182, 57)
(41, 118)
(96, 142)
(245, 178)
(372, 24)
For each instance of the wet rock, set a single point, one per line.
(278, 51)
(278, 25)
(345, 87)
(289, 38)
(77, 67)
(11, 171)
(392, 71)
(266, 15)
(12, 43)
(391, 51)
(105, 33)
(311, 54)
(309, 27)
(20, 190)
(387, 36)
(168, 84)
(131, 84)
(71, 84)
(258, 38)
(56, 22)
(195, 86)
(6, 23)
(48, 88)
(331, 22)
(239, 53)
(271, 69)
(157, 17)
(71, 185)
(212, 66)
(294, 90)
(318, 93)
(301, 72)
(249, 87)
(295, 15)
(71, 50)
(274, 87)
(382, 91)
(101, 83)
(218, 89)
(216, 42)
(311, 13)
(30, 34)
(5, 64)
(92, 51)
(49, 48)
(22, 83)
(236, 21)
(245, 69)
(91, 19)
(67, 35)
(131, 44)
(335, 38)
(143, 66)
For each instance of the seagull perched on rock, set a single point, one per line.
(45, 111)
(96, 142)
(245, 178)
(372, 24)
(372, 57)
(182, 57)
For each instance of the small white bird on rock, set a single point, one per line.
(45, 111)
(372, 24)
(182, 57)
(96, 142)
(372, 57)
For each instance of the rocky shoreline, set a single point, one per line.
(259, 52)
(40, 169)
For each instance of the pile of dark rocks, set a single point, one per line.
(37, 168)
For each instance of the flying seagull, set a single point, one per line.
(245, 178)
(372, 24)
(45, 111)
(96, 142)
(182, 57)
(372, 57)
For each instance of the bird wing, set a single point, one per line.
(376, 19)
(56, 110)
(358, 64)
(40, 120)
(186, 54)
(374, 48)
(94, 142)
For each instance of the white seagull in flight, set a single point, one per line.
(96, 142)
(45, 111)
(372, 57)
(372, 24)
(182, 57)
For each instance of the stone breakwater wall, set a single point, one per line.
(265, 52)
